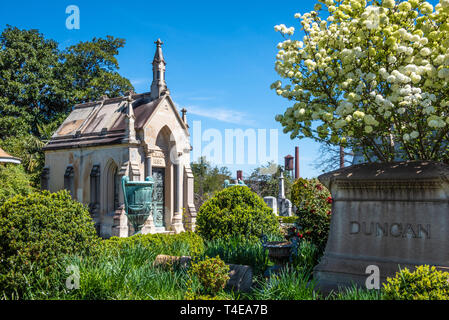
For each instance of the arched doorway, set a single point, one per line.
(162, 172)
(111, 189)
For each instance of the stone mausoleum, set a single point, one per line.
(137, 135)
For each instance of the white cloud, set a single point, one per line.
(136, 82)
(221, 114)
(201, 98)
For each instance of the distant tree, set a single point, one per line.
(332, 157)
(40, 83)
(265, 180)
(32, 92)
(90, 69)
(208, 179)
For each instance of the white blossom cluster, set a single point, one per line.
(365, 71)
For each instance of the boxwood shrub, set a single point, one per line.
(13, 181)
(36, 232)
(425, 283)
(235, 211)
(182, 244)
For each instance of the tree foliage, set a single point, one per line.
(208, 179)
(372, 74)
(91, 69)
(329, 157)
(264, 180)
(40, 83)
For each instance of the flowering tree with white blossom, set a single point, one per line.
(374, 75)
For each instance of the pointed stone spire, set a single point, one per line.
(158, 86)
(130, 119)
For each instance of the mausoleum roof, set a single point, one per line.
(102, 122)
(7, 158)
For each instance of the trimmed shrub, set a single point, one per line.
(313, 202)
(212, 273)
(13, 181)
(36, 232)
(425, 283)
(182, 244)
(236, 211)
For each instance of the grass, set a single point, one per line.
(239, 250)
(289, 284)
(355, 293)
(127, 272)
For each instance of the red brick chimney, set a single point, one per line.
(239, 175)
(296, 163)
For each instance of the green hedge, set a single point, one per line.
(182, 244)
(235, 211)
(13, 181)
(425, 283)
(36, 232)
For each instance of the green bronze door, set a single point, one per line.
(159, 197)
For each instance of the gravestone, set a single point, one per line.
(272, 203)
(285, 208)
(163, 260)
(390, 216)
(240, 278)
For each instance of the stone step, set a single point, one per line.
(162, 230)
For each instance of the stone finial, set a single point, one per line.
(158, 56)
(184, 116)
(158, 86)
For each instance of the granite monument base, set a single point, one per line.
(389, 216)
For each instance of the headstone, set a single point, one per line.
(272, 203)
(387, 216)
(241, 277)
(163, 260)
(285, 208)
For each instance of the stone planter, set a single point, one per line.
(279, 251)
(388, 215)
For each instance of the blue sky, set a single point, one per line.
(220, 55)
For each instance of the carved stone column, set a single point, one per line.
(120, 220)
(178, 173)
(189, 203)
(148, 162)
(149, 226)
